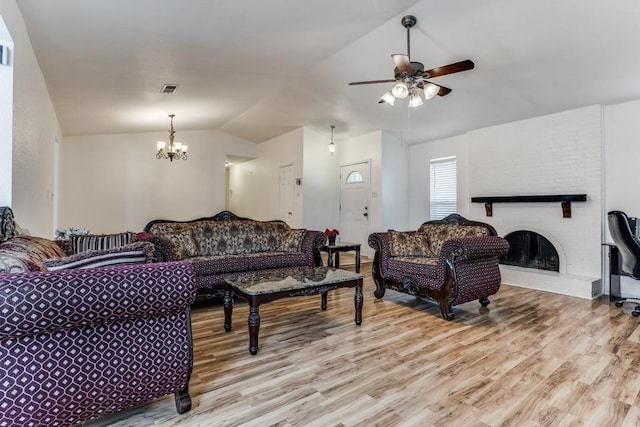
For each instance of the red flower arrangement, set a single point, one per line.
(331, 233)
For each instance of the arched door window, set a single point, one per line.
(354, 177)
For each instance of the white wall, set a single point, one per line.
(621, 161)
(6, 118)
(255, 185)
(35, 128)
(420, 156)
(114, 183)
(320, 180)
(394, 195)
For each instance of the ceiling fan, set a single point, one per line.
(411, 77)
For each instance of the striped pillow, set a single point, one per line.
(98, 242)
(135, 253)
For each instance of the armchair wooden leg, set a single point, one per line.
(379, 292)
(445, 311)
(484, 301)
(183, 400)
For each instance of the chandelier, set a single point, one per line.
(176, 150)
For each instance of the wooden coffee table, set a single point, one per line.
(265, 286)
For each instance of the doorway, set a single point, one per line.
(355, 187)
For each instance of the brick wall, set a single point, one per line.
(555, 154)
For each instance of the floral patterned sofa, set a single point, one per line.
(225, 243)
(449, 261)
(84, 341)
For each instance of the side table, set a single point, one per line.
(336, 248)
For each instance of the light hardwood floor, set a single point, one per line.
(530, 359)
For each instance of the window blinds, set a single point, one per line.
(442, 187)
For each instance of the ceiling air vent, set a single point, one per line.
(169, 88)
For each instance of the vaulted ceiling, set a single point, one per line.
(259, 68)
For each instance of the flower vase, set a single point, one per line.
(332, 240)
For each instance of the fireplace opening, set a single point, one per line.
(532, 250)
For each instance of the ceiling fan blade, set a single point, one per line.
(443, 90)
(403, 64)
(368, 82)
(449, 69)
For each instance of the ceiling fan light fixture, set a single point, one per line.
(430, 91)
(388, 98)
(415, 100)
(400, 90)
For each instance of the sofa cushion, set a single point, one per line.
(135, 253)
(31, 250)
(419, 268)
(12, 263)
(183, 245)
(439, 233)
(292, 240)
(224, 264)
(229, 237)
(94, 242)
(410, 244)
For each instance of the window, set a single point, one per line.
(442, 187)
(354, 177)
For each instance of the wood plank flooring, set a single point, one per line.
(529, 359)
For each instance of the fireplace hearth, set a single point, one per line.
(531, 250)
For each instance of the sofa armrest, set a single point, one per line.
(311, 243)
(37, 302)
(472, 248)
(381, 243)
(161, 246)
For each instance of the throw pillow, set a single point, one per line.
(292, 240)
(16, 263)
(183, 244)
(409, 244)
(135, 253)
(95, 242)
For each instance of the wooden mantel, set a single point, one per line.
(564, 199)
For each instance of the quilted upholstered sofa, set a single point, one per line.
(77, 344)
(449, 261)
(225, 243)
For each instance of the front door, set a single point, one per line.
(354, 203)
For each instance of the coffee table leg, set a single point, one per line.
(337, 262)
(358, 300)
(323, 304)
(228, 309)
(254, 328)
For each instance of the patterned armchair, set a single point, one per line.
(82, 343)
(78, 344)
(449, 261)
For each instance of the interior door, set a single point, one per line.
(354, 203)
(287, 194)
